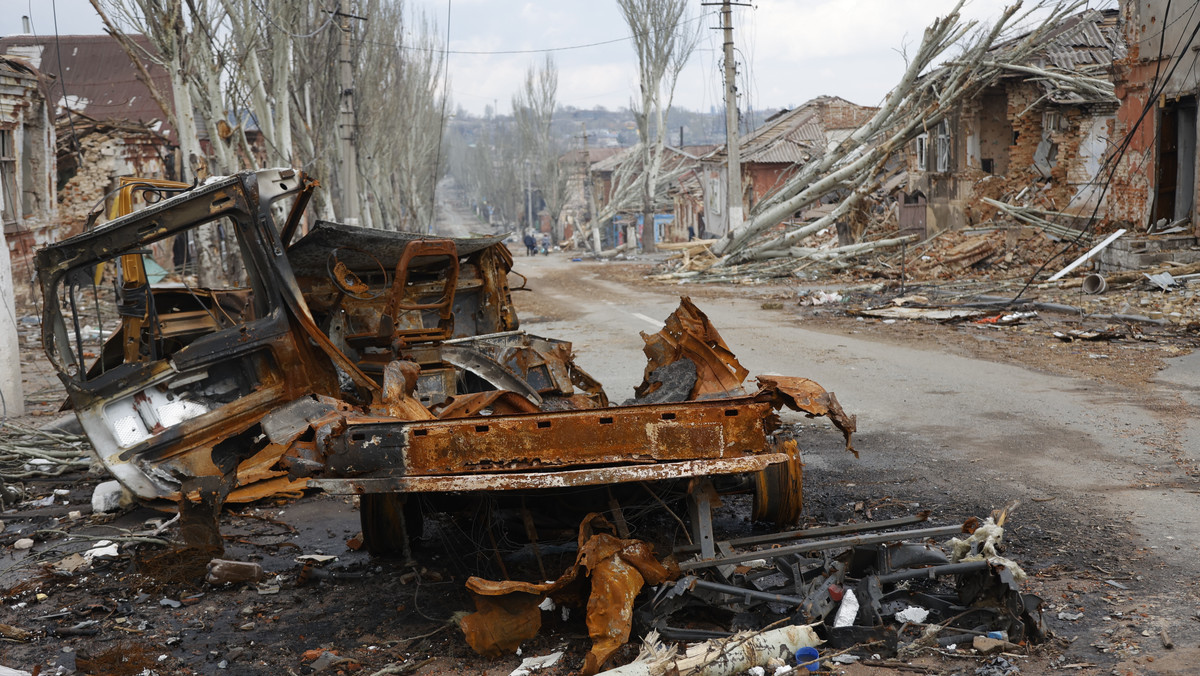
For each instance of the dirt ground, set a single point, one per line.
(147, 609)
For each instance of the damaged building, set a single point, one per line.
(27, 164)
(1026, 136)
(774, 152)
(1155, 177)
(108, 123)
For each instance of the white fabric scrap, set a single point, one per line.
(847, 611)
(989, 535)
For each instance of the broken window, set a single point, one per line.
(1051, 122)
(165, 290)
(1175, 193)
(8, 177)
(943, 146)
(922, 152)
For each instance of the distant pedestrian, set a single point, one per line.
(545, 244)
(530, 245)
(691, 233)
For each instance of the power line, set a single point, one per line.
(263, 11)
(522, 51)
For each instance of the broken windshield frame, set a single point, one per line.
(114, 257)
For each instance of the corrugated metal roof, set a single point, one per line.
(1086, 43)
(97, 76)
(613, 161)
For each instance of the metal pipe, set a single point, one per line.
(933, 571)
(823, 545)
(731, 590)
(814, 532)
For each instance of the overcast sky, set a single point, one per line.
(788, 50)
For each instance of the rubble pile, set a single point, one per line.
(873, 588)
(1003, 252)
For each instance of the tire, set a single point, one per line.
(779, 489)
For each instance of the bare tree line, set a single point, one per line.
(506, 155)
(273, 65)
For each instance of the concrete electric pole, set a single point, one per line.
(732, 151)
(347, 126)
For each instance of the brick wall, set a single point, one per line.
(838, 113)
(105, 158)
(956, 200)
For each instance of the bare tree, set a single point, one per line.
(161, 21)
(402, 64)
(261, 76)
(664, 38)
(533, 111)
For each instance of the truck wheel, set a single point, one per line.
(779, 489)
(389, 523)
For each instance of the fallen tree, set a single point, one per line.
(626, 196)
(921, 100)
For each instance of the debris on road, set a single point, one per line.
(719, 657)
(869, 588)
(852, 583)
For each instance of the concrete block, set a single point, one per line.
(110, 496)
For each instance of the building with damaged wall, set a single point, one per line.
(26, 205)
(27, 166)
(618, 176)
(108, 123)
(578, 163)
(1026, 138)
(773, 152)
(93, 154)
(1158, 83)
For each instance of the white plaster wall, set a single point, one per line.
(12, 399)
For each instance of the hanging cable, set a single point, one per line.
(62, 82)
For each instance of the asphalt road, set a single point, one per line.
(1083, 454)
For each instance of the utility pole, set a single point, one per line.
(529, 198)
(732, 151)
(588, 195)
(347, 126)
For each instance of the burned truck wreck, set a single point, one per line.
(205, 345)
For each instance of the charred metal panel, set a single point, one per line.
(691, 430)
(571, 478)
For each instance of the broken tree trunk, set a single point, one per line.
(849, 250)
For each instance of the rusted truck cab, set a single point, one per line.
(202, 339)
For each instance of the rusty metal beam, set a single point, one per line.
(712, 429)
(770, 538)
(536, 480)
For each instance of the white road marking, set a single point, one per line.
(649, 320)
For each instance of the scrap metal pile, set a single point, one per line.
(873, 585)
(867, 589)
